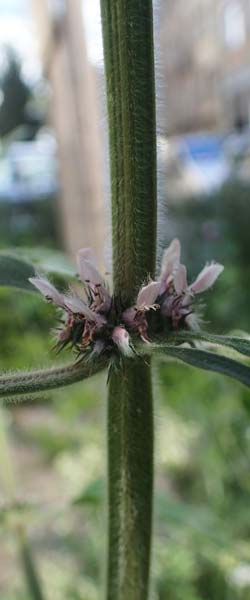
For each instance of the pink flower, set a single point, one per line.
(48, 290)
(135, 317)
(90, 276)
(206, 278)
(94, 321)
(177, 295)
(170, 295)
(147, 295)
(175, 273)
(86, 321)
(170, 262)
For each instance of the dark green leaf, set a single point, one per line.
(32, 578)
(53, 263)
(240, 344)
(15, 272)
(206, 360)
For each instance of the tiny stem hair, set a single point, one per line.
(32, 382)
(130, 444)
(129, 66)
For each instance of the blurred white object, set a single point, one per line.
(193, 165)
(28, 171)
(240, 576)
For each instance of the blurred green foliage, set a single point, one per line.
(202, 436)
(216, 227)
(16, 94)
(29, 223)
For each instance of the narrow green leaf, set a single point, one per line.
(240, 344)
(15, 272)
(29, 568)
(47, 379)
(206, 360)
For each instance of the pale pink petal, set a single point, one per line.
(187, 298)
(86, 267)
(47, 290)
(77, 289)
(102, 300)
(206, 278)
(88, 254)
(170, 262)
(171, 256)
(77, 306)
(121, 338)
(180, 279)
(147, 295)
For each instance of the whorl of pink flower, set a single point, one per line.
(171, 294)
(177, 295)
(95, 320)
(89, 317)
(100, 300)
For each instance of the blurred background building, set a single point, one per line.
(50, 120)
(206, 50)
(74, 113)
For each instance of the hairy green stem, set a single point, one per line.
(130, 442)
(48, 379)
(129, 65)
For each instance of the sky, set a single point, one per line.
(92, 21)
(13, 7)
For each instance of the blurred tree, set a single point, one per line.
(15, 96)
(74, 114)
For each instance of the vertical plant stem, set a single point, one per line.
(128, 53)
(130, 444)
(129, 65)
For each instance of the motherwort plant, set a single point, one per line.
(142, 318)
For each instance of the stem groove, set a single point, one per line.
(130, 443)
(129, 65)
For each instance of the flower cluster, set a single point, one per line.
(171, 295)
(92, 321)
(89, 320)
